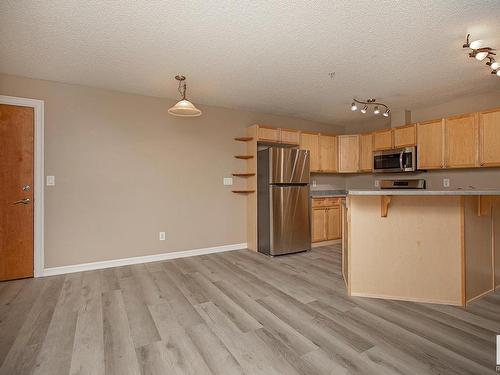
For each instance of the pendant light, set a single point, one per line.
(183, 108)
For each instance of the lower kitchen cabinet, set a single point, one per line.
(326, 219)
(318, 225)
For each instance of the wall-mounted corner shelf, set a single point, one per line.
(243, 191)
(243, 174)
(243, 156)
(243, 139)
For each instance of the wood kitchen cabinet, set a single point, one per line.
(382, 140)
(268, 134)
(348, 153)
(310, 141)
(460, 141)
(430, 141)
(405, 136)
(489, 138)
(290, 136)
(326, 219)
(327, 153)
(365, 152)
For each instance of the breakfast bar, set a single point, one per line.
(422, 245)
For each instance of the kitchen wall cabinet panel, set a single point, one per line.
(366, 153)
(405, 136)
(430, 139)
(310, 141)
(489, 138)
(269, 134)
(290, 136)
(382, 140)
(460, 141)
(348, 153)
(327, 153)
(319, 222)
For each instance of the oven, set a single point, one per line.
(397, 160)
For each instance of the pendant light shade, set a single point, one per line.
(183, 108)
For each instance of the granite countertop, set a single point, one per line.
(328, 193)
(425, 192)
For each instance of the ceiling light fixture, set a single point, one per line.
(183, 108)
(370, 102)
(481, 53)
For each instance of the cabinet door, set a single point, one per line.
(489, 138)
(366, 153)
(328, 153)
(430, 144)
(348, 153)
(460, 141)
(382, 140)
(333, 231)
(310, 141)
(269, 134)
(290, 136)
(405, 136)
(318, 224)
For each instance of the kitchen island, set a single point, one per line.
(423, 245)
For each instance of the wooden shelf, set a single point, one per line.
(243, 139)
(243, 191)
(243, 174)
(243, 156)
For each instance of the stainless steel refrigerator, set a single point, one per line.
(283, 212)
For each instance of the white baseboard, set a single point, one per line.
(136, 260)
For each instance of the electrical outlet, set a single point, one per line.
(446, 182)
(162, 236)
(228, 181)
(377, 183)
(314, 183)
(51, 180)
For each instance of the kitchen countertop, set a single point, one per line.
(425, 192)
(328, 193)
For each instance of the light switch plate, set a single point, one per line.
(228, 181)
(377, 183)
(162, 236)
(51, 180)
(446, 182)
(314, 183)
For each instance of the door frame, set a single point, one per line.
(38, 191)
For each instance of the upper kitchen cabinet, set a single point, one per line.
(460, 141)
(327, 153)
(366, 153)
(382, 140)
(290, 136)
(405, 136)
(489, 138)
(348, 153)
(430, 140)
(310, 141)
(268, 134)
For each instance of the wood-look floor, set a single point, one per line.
(234, 313)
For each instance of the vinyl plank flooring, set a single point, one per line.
(236, 312)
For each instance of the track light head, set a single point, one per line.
(354, 106)
(481, 55)
(364, 109)
(494, 65)
(376, 111)
(386, 113)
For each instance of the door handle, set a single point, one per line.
(23, 201)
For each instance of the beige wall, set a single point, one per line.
(125, 170)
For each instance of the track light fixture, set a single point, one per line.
(370, 102)
(481, 53)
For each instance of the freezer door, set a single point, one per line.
(290, 222)
(288, 166)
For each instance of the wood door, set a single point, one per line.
(489, 138)
(310, 141)
(318, 224)
(405, 136)
(430, 144)
(348, 153)
(16, 171)
(366, 153)
(290, 136)
(460, 141)
(328, 153)
(268, 134)
(333, 231)
(382, 140)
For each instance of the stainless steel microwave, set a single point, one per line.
(397, 160)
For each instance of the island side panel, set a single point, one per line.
(412, 254)
(496, 239)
